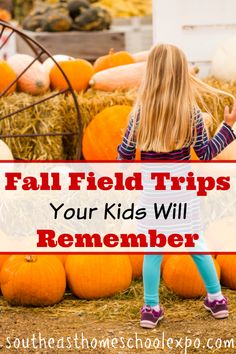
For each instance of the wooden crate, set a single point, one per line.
(87, 45)
(138, 32)
(132, 21)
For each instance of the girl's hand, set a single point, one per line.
(230, 118)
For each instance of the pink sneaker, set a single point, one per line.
(218, 308)
(150, 317)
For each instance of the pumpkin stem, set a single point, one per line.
(196, 69)
(111, 51)
(30, 258)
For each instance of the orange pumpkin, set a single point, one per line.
(112, 60)
(3, 257)
(33, 280)
(109, 125)
(5, 15)
(136, 264)
(180, 275)
(48, 64)
(96, 276)
(207, 123)
(164, 261)
(7, 76)
(193, 154)
(62, 258)
(228, 270)
(78, 71)
(35, 80)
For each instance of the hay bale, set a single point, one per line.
(217, 108)
(93, 102)
(56, 115)
(43, 118)
(59, 115)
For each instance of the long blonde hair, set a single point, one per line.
(166, 101)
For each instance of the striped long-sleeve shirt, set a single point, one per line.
(204, 148)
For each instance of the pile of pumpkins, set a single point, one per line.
(37, 78)
(88, 276)
(67, 15)
(98, 276)
(114, 71)
(111, 72)
(181, 276)
(180, 273)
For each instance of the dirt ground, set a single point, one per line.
(186, 323)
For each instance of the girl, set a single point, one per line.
(164, 124)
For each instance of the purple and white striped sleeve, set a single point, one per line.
(127, 149)
(207, 149)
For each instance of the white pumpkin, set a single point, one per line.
(5, 152)
(35, 80)
(224, 61)
(49, 63)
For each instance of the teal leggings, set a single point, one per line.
(151, 276)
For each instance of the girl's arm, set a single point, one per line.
(208, 149)
(127, 149)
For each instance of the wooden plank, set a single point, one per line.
(214, 27)
(87, 45)
(130, 21)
